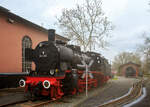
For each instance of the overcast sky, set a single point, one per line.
(130, 17)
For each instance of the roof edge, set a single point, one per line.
(25, 21)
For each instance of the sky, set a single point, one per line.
(130, 18)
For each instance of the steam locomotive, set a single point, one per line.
(60, 69)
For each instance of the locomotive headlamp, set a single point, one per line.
(46, 84)
(52, 72)
(41, 44)
(22, 83)
(98, 61)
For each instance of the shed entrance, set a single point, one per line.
(130, 71)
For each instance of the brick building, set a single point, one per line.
(130, 69)
(16, 34)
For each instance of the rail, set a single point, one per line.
(13, 103)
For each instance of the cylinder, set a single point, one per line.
(51, 35)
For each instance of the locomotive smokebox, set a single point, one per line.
(51, 35)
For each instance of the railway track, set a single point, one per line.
(12, 103)
(36, 103)
(18, 89)
(8, 91)
(133, 94)
(27, 103)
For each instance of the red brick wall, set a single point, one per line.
(123, 69)
(11, 43)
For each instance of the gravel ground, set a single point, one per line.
(71, 101)
(146, 101)
(113, 89)
(117, 89)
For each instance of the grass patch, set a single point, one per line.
(115, 78)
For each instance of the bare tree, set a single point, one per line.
(144, 49)
(86, 25)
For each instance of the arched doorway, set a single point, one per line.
(26, 43)
(130, 71)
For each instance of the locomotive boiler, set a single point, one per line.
(57, 71)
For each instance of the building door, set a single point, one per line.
(26, 43)
(130, 71)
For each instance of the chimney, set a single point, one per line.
(51, 35)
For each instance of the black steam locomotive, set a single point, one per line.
(60, 69)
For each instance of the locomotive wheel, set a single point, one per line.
(28, 95)
(81, 88)
(74, 91)
(36, 92)
(95, 84)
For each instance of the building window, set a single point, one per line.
(26, 43)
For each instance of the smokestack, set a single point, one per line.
(51, 35)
